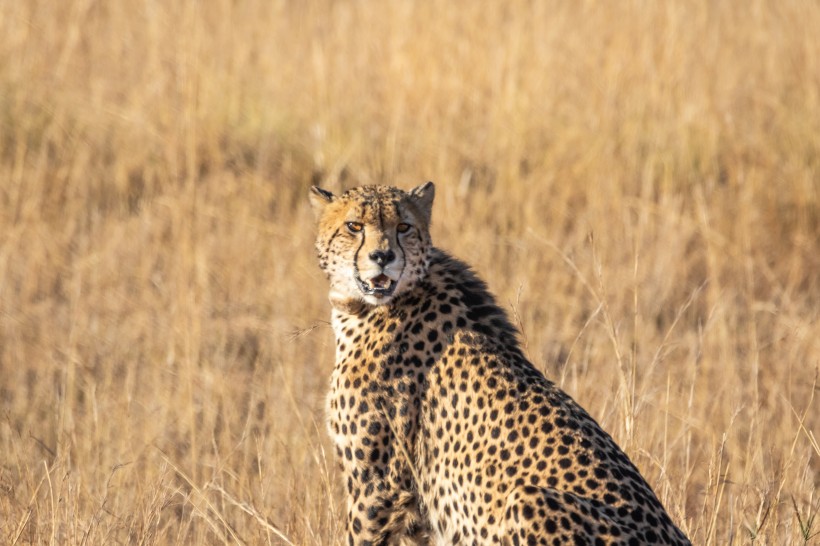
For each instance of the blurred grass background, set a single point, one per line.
(638, 182)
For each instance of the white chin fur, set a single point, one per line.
(337, 295)
(376, 300)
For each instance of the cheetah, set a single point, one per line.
(446, 434)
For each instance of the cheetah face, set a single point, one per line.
(373, 241)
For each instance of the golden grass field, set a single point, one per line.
(638, 182)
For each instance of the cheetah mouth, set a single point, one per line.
(381, 286)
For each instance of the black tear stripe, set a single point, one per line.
(356, 257)
(398, 239)
(404, 257)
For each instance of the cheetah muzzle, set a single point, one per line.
(446, 434)
(381, 286)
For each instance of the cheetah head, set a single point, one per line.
(373, 241)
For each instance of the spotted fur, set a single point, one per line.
(445, 432)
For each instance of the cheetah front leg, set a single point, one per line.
(381, 510)
(383, 506)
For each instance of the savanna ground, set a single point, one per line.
(637, 181)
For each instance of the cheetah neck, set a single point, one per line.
(418, 325)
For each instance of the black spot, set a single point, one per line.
(564, 463)
(547, 427)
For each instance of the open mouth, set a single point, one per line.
(381, 286)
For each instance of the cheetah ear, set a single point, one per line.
(423, 196)
(319, 199)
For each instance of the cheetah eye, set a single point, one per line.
(354, 227)
(403, 228)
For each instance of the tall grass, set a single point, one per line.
(637, 181)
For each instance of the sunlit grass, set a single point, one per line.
(638, 183)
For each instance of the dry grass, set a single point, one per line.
(638, 182)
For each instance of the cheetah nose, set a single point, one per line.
(382, 257)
